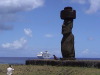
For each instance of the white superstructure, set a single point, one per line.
(44, 55)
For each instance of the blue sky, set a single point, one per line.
(28, 27)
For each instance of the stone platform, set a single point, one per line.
(73, 63)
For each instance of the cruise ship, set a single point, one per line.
(44, 55)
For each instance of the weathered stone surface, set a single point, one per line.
(67, 43)
(67, 46)
(78, 63)
(68, 13)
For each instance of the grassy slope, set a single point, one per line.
(49, 70)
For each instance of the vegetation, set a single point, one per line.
(49, 70)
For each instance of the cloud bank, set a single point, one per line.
(15, 44)
(79, 1)
(9, 8)
(94, 5)
(14, 6)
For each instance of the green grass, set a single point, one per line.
(49, 70)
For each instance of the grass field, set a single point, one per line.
(49, 70)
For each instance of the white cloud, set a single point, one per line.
(49, 35)
(9, 8)
(28, 32)
(86, 51)
(13, 6)
(94, 5)
(15, 44)
(79, 1)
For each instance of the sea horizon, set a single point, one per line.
(22, 60)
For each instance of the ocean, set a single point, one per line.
(21, 60)
(15, 60)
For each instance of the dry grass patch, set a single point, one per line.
(49, 70)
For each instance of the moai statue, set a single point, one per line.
(67, 43)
